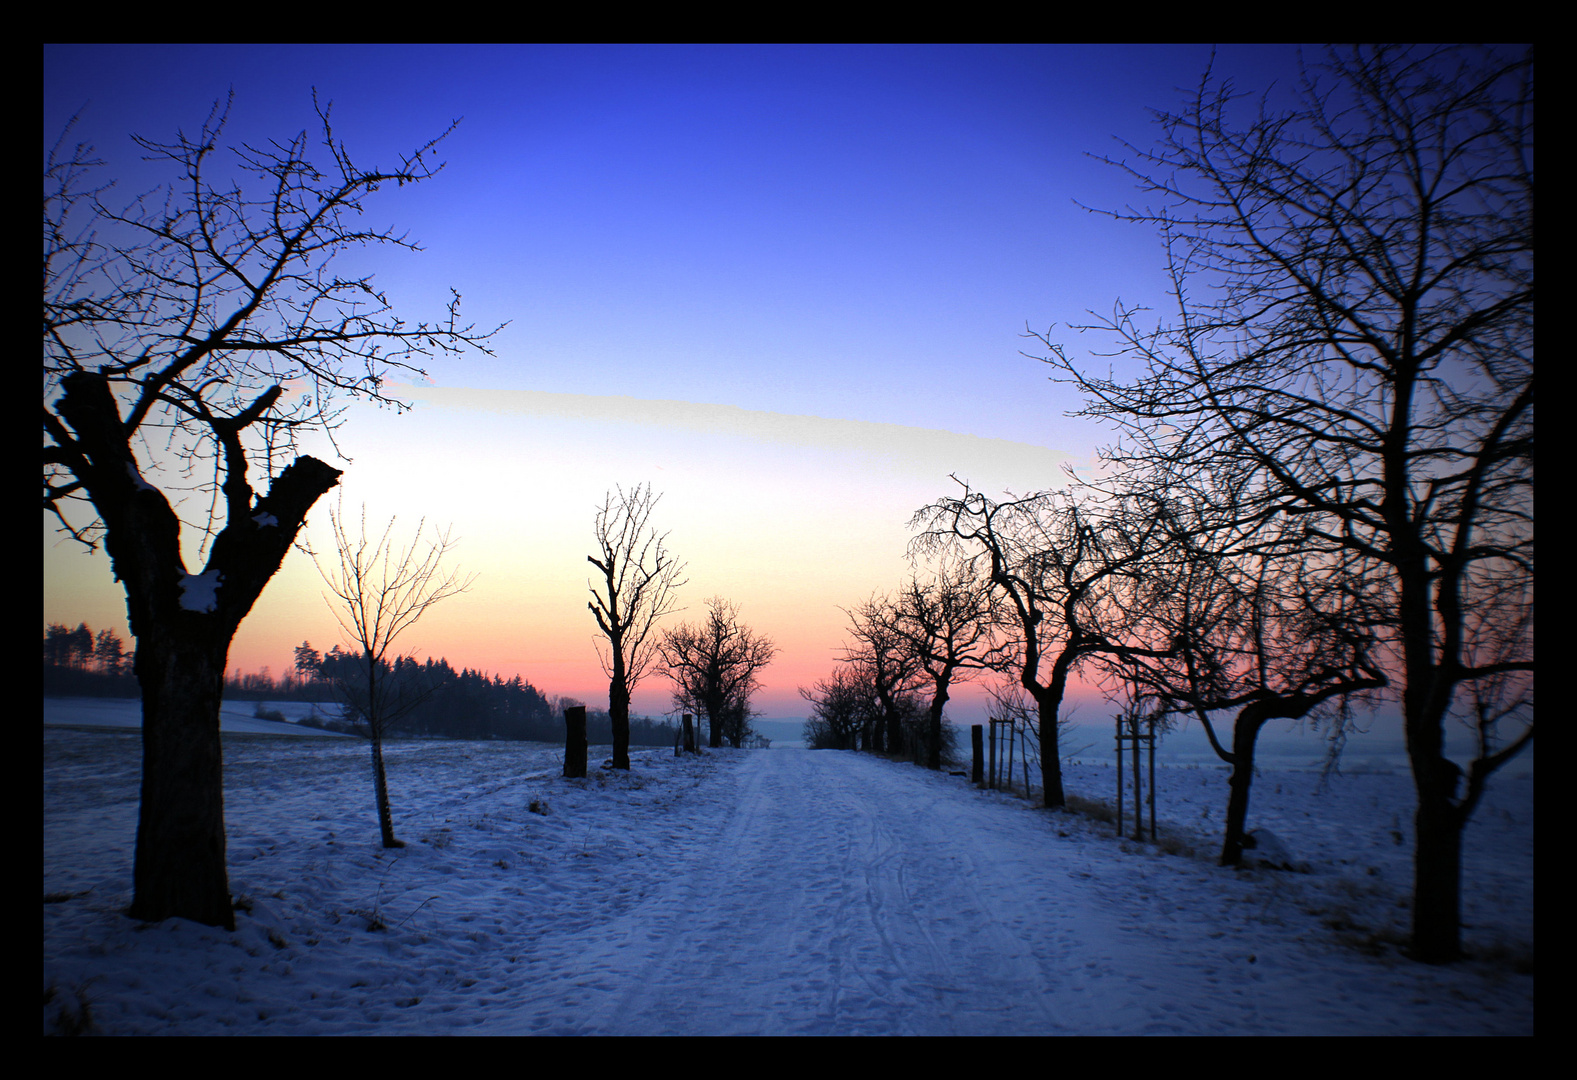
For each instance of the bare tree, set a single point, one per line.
(949, 626)
(886, 664)
(714, 666)
(1354, 280)
(640, 584)
(1252, 622)
(203, 327)
(382, 589)
(844, 707)
(1058, 564)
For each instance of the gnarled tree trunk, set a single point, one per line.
(183, 624)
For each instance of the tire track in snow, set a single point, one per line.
(833, 901)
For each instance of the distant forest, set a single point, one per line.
(463, 704)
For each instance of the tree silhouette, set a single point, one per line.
(382, 590)
(950, 627)
(1354, 335)
(713, 666)
(640, 584)
(195, 332)
(886, 664)
(1060, 562)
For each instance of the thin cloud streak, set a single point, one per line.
(917, 451)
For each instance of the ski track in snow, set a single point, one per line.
(782, 892)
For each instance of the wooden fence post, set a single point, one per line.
(991, 764)
(977, 743)
(575, 741)
(1152, 779)
(1138, 784)
(1119, 777)
(1008, 775)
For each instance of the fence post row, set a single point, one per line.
(1135, 737)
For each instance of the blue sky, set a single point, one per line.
(783, 282)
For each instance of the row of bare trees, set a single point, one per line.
(908, 650)
(1323, 488)
(714, 665)
(1346, 382)
(1323, 492)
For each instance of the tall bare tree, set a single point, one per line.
(640, 585)
(382, 589)
(886, 665)
(200, 328)
(1354, 328)
(949, 625)
(1058, 561)
(714, 667)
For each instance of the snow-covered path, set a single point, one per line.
(819, 910)
(741, 892)
(848, 895)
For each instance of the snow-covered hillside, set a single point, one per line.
(761, 892)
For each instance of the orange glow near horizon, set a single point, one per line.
(792, 518)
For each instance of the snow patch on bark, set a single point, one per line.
(136, 478)
(198, 590)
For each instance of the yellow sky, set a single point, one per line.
(791, 517)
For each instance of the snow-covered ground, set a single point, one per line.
(762, 892)
(236, 716)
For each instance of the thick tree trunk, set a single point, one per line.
(1046, 708)
(179, 865)
(1245, 734)
(619, 714)
(183, 624)
(1426, 699)
(933, 727)
(895, 742)
(1437, 859)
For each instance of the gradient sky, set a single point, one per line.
(786, 285)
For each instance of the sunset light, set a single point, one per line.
(786, 286)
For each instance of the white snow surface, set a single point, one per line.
(765, 892)
(237, 716)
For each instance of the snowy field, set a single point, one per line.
(234, 716)
(762, 892)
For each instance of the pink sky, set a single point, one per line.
(786, 286)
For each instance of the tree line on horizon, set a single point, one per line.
(462, 703)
